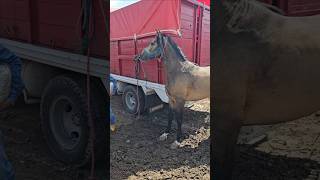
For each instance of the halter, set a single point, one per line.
(162, 45)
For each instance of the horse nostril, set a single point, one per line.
(137, 57)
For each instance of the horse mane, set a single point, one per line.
(273, 8)
(177, 49)
(249, 16)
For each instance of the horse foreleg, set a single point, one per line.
(170, 117)
(164, 136)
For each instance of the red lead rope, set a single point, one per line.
(92, 126)
(91, 121)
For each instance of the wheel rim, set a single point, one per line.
(65, 122)
(131, 101)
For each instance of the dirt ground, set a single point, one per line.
(137, 153)
(26, 147)
(289, 151)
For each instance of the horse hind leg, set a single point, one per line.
(179, 124)
(225, 135)
(164, 136)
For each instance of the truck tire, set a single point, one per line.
(133, 100)
(65, 123)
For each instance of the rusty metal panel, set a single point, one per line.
(205, 38)
(15, 19)
(303, 7)
(296, 7)
(53, 23)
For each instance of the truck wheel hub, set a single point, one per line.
(65, 122)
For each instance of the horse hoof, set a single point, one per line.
(175, 145)
(163, 137)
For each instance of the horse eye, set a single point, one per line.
(152, 43)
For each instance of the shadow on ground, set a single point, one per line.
(253, 164)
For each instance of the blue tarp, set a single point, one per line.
(14, 63)
(112, 116)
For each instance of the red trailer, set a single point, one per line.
(50, 37)
(55, 24)
(133, 27)
(297, 7)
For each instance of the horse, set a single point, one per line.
(185, 80)
(266, 69)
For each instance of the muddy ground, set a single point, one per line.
(287, 151)
(26, 147)
(137, 153)
(290, 150)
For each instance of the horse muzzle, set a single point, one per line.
(146, 55)
(137, 57)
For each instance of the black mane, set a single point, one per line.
(177, 49)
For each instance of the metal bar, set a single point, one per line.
(57, 58)
(167, 31)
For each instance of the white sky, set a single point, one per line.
(117, 4)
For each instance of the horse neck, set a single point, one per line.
(172, 60)
(250, 16)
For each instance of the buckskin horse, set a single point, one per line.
(266, 71)
(185, 80)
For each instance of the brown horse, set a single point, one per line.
(266, 70)
(185, 80)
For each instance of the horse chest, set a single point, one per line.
(177, 88)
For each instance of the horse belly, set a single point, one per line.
(291, 91)
(200, 89)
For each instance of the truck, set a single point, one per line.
(134, 27)
(296, 7)
(64, 50)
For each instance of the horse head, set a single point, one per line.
(162, 47)
(155, 48)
